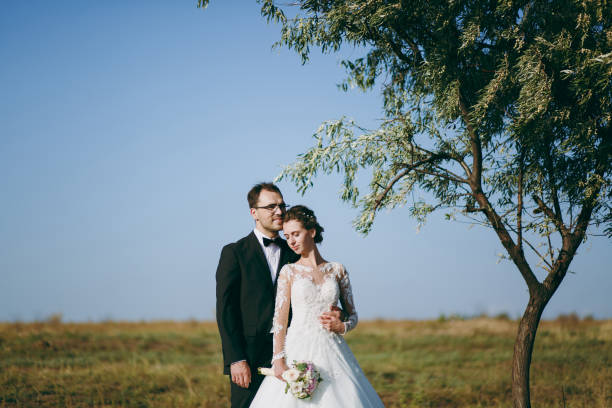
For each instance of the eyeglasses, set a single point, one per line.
(271, 207)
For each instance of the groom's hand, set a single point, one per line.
(332, 320)
(241, 374)
(334, 312)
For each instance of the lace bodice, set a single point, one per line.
(310, 292)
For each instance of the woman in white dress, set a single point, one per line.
(310, 287)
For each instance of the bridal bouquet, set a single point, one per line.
(302, 378)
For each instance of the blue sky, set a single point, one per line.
(130, 133)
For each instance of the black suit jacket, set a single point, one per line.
(245, 301)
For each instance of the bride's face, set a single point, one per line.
(300, 239)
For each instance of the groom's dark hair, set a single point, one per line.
(254, 192)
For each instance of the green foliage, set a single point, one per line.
(504, 98)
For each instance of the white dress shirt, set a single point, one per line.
(272, 253)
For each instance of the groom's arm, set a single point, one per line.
(229, 317)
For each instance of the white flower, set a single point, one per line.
(291, 375)
(295, 388)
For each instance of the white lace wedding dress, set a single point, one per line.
(310, 292)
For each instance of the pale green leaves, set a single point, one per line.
(530, 81)
(390, 153)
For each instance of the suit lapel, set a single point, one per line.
(256, 255)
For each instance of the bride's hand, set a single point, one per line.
(280, 367)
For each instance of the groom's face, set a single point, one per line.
(269, 219)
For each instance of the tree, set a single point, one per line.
(498, 110)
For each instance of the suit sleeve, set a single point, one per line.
(229, 317)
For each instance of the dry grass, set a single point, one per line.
(444, 363)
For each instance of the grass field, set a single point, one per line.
(443, 363)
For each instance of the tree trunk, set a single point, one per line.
(523, 347)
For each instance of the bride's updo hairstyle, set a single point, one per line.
(307, 217)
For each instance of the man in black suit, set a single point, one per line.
(246, 291)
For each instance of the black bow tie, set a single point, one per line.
(267, 241)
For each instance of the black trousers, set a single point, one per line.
(242, 397)
(259, 354)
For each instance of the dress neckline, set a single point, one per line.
(322, 267)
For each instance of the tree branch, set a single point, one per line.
(551, 252)
(397, 50)
(542, 257)
(513, 250)
(572, 240)
(450, 156)
(377, 38)
(519, 210)
(470, 209)
(401, 174)
(415, 49)
(539, 255)
(553, 189)
(451, 176)
(550, 214)
(474, 143)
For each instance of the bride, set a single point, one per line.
(310, 287)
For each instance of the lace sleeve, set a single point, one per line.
(281, 312)
(346, 300)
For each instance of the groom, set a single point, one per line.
(246, 291)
